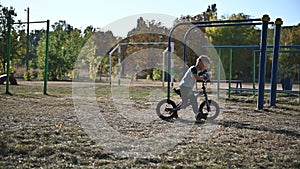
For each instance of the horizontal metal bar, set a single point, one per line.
(250, 46)
(290, 46)
(228, 24)
(281, 51)
(30, 22)
(144, 43)
(220, 21)
(266, 90)
(227, 47)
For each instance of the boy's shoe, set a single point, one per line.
(199, 116)
(176, 115)
(177, 91)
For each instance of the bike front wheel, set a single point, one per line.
(165, 109)
(213, 109)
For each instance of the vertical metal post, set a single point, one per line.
(298, 80)
(172, 64)
(219, 72)
(119, 64)
(274, 75)
(110, 62)
(169, 67)
(230, 72)
(184, 54)
(110, 67)
(8, 53)
(46, 59)
(262, 62)
(27, 42)
(163, 67)
(253, 69)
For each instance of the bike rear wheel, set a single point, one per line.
(165, 109)
(214, 109)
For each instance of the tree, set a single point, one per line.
(289, 62)
(65, 44)
(95, 47)
(235, 35)
(104, 41)
(35, 37)
(4, 12)
(197, 37)
(18, 48)
(145, 31)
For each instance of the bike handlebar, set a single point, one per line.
(203, 81)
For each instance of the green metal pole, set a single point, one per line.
(219, 64)
(8, 54)
(230, 71)
(46, 58)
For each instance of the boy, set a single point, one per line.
(198, 72)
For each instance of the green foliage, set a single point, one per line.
(157, 74)
(27, 75)
(94, 52)
(289, 62)
(15, 37)
(148, 77)
(237, 35)
(64, 45)
(287, 70)
(70, 47)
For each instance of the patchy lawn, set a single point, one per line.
(44, 131)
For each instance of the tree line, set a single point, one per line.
(91, 46)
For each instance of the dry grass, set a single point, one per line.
(43, 131)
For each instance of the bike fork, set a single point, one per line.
(207, 105)
(206, 100)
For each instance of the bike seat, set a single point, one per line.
(177, 91)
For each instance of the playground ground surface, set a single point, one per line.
(39, 131)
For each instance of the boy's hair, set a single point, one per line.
(203, 58)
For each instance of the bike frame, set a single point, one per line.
(180, 106)
(205, 95)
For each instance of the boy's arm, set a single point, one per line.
(198, 78)
(203, 77)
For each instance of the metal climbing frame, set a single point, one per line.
(264, 21)
(9, 24)
(118, 47)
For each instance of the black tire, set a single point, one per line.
(214, 109)
(162, 109)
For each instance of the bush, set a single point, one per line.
(157, 74)
(27, 75)
(148, 77)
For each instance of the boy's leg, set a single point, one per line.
(194, 103)
(184, 95)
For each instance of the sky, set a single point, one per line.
(102, 13)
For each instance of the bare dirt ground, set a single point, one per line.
(40, 131)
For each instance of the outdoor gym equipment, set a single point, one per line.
(256, 50)
(118, 47)
(204, 24)
(264, 21)
(167, 109)
(9, 24)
